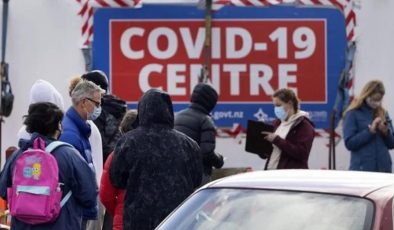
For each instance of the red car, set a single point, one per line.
(289, 199)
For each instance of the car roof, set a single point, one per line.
(325, 181)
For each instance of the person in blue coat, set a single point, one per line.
(368, 130)
(86, 105)
(44, 120)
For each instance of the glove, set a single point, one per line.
(218, 160)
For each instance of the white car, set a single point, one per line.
(289, 199)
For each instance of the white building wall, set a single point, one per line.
(43, 43)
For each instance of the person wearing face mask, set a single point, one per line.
(293, 133)
(44, 120)
(95, 136)
(86, 105)
(97, 155)
(112, 113)
(368, 130)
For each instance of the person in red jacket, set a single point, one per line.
(110, 197)
(293, 135)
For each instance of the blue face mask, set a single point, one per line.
(95, 114)
(280, 112)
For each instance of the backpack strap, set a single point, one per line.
(52, 146)
(65, 198)
(39, 143)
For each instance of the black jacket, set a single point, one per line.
(196, 123)
(158, 166)
(108, 122)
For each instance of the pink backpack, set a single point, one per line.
(35, 194)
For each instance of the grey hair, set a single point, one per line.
(84, 89)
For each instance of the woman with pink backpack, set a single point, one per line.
(71, 187)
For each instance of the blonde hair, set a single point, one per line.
(372, 87)
(73, 82)
(128, 119)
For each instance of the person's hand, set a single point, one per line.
(375, 123)
(218, 162)
(269, 136)
(383, 128)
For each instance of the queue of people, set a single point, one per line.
(139, 165)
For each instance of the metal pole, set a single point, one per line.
(331, 153)
(207, 44)
(3, 64)
(4, 29)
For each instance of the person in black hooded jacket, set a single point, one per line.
(196, 122)
(158, 166)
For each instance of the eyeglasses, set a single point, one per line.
(97, 104)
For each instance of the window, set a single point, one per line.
(228, 209)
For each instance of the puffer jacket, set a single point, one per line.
(369, 151)
(197, 123)
(108, 122)
(158, 166)
(76, 132)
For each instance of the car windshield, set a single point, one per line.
(227, 209)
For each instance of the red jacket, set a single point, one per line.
(297, 145)
(112, 198)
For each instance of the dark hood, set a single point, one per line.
(114, 105)
(155, 108)
(204, 95)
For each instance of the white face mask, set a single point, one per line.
(373, 104)
(95, 114)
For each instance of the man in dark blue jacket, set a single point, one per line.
(86, 105)
(197, 123)
(112, 113)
